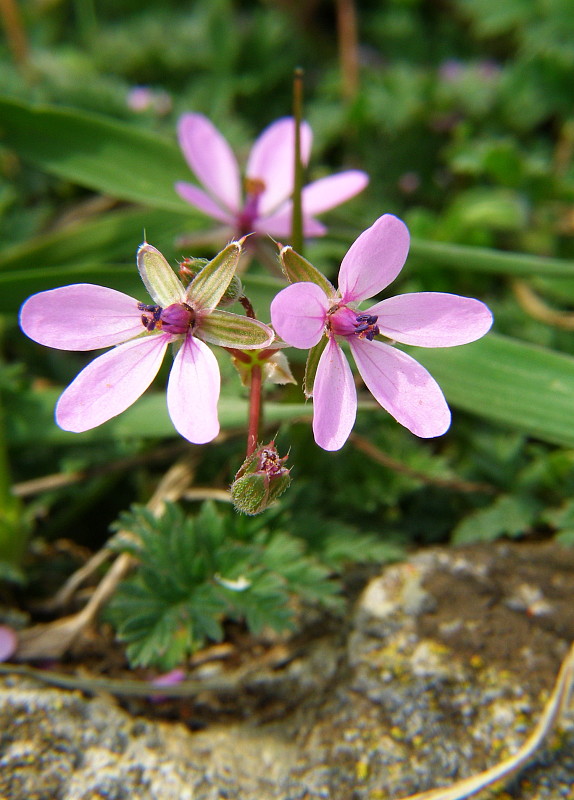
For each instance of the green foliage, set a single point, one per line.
(562, 519)
(511, 516)
(194, 573)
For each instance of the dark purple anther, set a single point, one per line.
(366, 327)
(370, 319)
(152, 316)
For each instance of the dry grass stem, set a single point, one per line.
(53, 639)
(550, 717)
(535, 307)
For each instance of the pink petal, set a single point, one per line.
(111, 383)
(279, 224)
(326, 193)
(80, 317)
(375, 259)
(202, 201)
(272, 160)
(171, 678)
(8, 642)
(334, 399)
(211, 159)
(432, 319)
(403, 387)
(193, 392)
(298, 314)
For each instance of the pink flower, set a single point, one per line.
(312, 314)
(8, 642)
(265, 206)
(87, 317)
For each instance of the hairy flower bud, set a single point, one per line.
(233, 292)
(261, 479)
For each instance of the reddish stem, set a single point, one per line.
(249, 311)
(254, 408)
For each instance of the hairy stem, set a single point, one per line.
(254, 408)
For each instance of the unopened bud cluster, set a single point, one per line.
(262, 478)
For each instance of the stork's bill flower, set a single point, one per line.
(261, 203)
(311, 313)
(89, 317)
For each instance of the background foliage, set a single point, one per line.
(462, 115)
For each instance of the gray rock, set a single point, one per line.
(441, 671)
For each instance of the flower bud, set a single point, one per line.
(233, 292)
(189, 267)
(261, 479)
(177, 318)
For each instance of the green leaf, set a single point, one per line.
(494, 208)
(522, 386)
(168, 608)
(428, 254)
(16, 286)
(93, 151)
(107, 238)
(508, 515)
(32, 420)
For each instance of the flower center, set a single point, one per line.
(177, 318)
(270, 462)
(344, 321)
(254, 188)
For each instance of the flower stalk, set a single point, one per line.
(297, 216)
(256, 385)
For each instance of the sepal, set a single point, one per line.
(232, 330)
(297, 269)
(163, 285)
(210, 285)
(273, 363)
(276, 369)
(315, 354)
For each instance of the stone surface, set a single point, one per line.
(440, 672)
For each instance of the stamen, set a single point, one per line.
(254, 187)
(366, 327)
(151, 319)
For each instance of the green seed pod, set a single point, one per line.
(261, 480)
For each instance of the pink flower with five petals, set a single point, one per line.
(312, 314)
(265, 205)
(88, 317)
